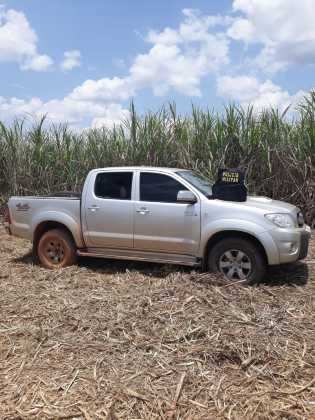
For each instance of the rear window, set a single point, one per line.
(114, 185)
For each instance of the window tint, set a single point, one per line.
(115, 185)
(161, 188)
(202, 184)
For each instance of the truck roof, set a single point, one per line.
(133, 168)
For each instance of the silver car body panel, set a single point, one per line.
(166, 227)
(153, 231)
(107, 223)
(65, 211)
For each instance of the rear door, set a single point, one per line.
(109, 210)
(161, 223)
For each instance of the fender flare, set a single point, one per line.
(63, 219)
(245, 227)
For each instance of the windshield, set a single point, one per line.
(202, 184)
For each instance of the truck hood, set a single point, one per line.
(269, 205)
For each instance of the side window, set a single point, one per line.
(114, 185)
(159, 188)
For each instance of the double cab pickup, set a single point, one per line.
(161, 215)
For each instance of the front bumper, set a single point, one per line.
(304, 243)
(286, 245)
(292, 244)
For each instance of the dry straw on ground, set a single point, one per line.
(121, 340)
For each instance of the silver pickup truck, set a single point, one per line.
(162, 215)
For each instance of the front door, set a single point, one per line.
(161, 223)
(109, 211)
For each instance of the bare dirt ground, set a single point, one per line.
(122, 340)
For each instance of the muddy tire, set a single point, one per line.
(239, 260)
(56, 249)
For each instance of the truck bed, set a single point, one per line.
(27, 212)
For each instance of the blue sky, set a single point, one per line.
(83, 62)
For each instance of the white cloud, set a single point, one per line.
(18, 42)
(71, 60)
(167, 37)
(106, 89)
(64, 110)
(248, 90)
(14, 107)
(113, 115)
(37, 63)
(178, 59)
(171, 66)
(284, 28)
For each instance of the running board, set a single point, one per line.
(158, 257)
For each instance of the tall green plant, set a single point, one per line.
(277, 151)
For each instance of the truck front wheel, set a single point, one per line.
(237, 260)
(56, 249)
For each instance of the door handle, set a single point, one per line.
(143, 210)
(93, 208)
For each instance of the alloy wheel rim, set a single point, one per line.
(235, 265)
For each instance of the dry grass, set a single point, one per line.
(119, 340)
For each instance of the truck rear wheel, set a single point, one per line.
(56, 249)
(237, 260)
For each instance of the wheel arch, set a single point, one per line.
(47, 220)
(46, 226)
(229, 234)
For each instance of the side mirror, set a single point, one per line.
(186, 197)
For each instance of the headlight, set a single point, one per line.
(282, 220)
